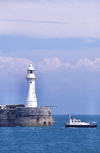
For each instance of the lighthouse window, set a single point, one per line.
(30, 71)
(30, 104)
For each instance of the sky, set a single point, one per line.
(61, 38)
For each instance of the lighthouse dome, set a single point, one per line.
(30, 67)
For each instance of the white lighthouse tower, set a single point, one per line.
(31, 95)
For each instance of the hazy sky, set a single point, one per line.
(61, 38)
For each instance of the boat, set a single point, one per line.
(76, 123)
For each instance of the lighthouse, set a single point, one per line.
(31, 95)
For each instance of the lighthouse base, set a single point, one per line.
(31, 103)
(18, 115)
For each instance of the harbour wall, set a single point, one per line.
(18, 115)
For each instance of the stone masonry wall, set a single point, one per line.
(24, 116)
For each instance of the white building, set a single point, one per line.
(31, 95)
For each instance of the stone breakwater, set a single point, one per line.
(18, 115)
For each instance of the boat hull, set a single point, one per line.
(80, 126)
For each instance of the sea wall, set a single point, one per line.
(25, 116)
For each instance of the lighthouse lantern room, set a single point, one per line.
(31, 95)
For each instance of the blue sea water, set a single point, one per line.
(55, 139)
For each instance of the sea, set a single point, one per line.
(54, 139)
